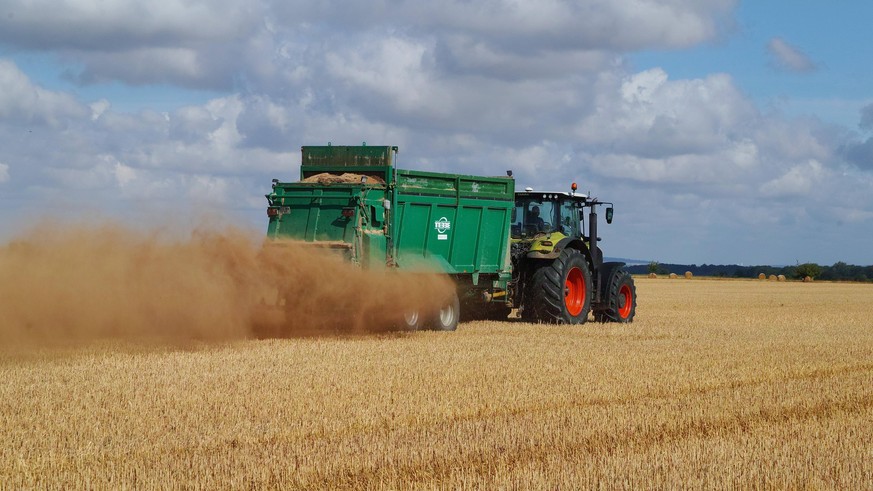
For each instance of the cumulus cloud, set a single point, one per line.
(799, 180)
(25, 104)
(209, 44)
(88, 155)
(98, 108)
(651, 129)
(551, 24)
(651, 116)
(784, 56)
(119, 25)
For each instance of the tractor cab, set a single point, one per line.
(543, 213)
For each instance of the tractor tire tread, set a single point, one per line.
(609, 310)
(545, 302)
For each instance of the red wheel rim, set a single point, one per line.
(574, 292)
(625, 301)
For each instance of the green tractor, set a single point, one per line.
(558, 273)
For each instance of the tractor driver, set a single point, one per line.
(535, 221)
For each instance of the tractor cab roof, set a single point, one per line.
(528, 193)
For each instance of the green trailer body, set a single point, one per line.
(354, 201)
(460, 221)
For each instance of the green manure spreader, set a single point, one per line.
(503, 249)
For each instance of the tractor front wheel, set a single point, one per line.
(560, 292)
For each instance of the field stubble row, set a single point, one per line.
(716, 384)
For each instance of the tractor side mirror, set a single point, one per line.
(609, 215)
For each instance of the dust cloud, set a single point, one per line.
(106, 281)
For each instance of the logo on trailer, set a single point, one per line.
(442, 226)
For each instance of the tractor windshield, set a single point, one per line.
(534, 215)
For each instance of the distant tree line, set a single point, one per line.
(838, 272)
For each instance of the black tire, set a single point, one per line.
(447, 316)
(560, 292)
(620, 299)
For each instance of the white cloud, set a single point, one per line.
(210, 189)
(25, 104)
(651, 117)
(787, 57)
(124, 175)
(208, 44)
(98, 108)
(536, 25)
(392, 69)
(737, 164)
(799, 180)
(118, 24)
(4, 173)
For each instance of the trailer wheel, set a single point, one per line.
(621, 299)
(411, 320)
(561, 291)
(446, 318)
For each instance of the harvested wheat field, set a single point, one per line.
(718, 384)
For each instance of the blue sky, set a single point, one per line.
(822, 31)
(725, 131)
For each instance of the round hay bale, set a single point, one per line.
(673, 276)
(807, 279)
(762, 276)
(653, 275)
(781, 277)
(688, 275)
(773, 278)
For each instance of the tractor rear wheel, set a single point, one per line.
(621, 299)
(561, 291)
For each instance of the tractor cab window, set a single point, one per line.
(533, 216)
(569, 218)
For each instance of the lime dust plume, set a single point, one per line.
(107, 281)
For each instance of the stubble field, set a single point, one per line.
(725, 384)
